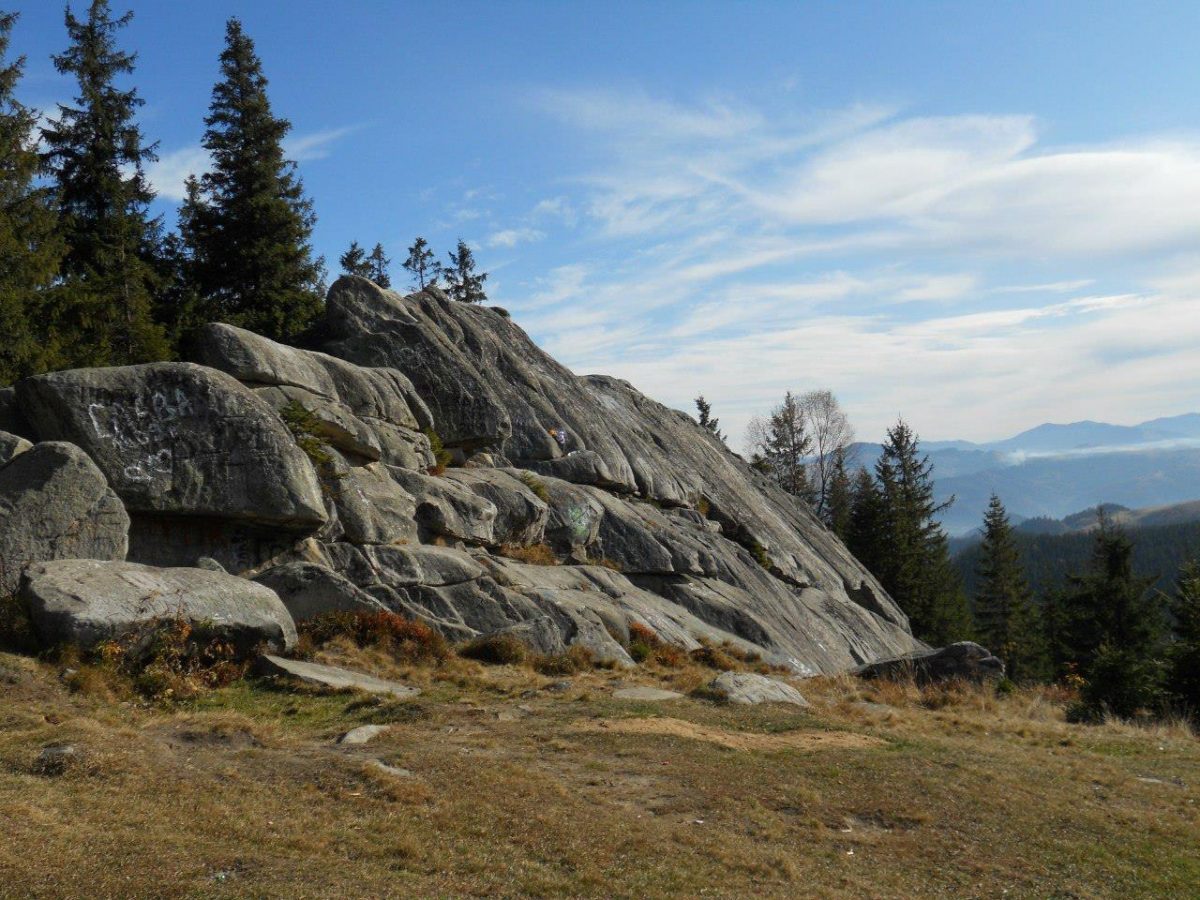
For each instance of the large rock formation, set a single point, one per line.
(313, 472)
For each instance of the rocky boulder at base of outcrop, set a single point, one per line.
(56, 504)
(750, 688)
(86, 601)
(965, 659)
(575, 507)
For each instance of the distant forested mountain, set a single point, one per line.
(1158, 551)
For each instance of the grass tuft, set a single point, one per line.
(533, 554)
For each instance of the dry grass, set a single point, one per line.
(879, 790)
(533, 554)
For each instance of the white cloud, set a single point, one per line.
(316, 144)
(168, 174)
(511, 237)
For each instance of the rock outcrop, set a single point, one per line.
(86, 601)
(314, 473)
(56, 504)
(964, 660)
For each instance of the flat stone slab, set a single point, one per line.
(363, 734)
(394, 771)
(748, 688)
(332, 676)
(646, 693)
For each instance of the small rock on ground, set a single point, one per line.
(752, 688)
(394, 771)
(362, 734)
(332, 676)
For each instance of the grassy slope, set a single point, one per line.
(520, 791)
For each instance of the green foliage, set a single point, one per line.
(780, 446)
(248, 225)
(423, 265)
(706, 420)
(894, 532)
(377, 267)
(30, 248)
(306, 429)
(102, 314)
(463, 283)
(760, 554)
(1120, 682)
(441, 455)
(1004, 612)
(495, 649)
(354, 261)
(1183, 656)
(536, 485)
(839, 499)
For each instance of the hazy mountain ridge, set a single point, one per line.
(1055, 470)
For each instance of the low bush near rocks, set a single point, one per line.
(575, 660)
(441, 456)
(407, 640)
(646, 646)
(16, 631)
(496, 650)
(533, 554)
(605, 562)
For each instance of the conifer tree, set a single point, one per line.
(423, 265)
(914, 562)
(354, 261)
(377, 264)
(95, 154)
(1003, 603)
(249, 226)
(779, 446)
(1183, 656)
(839, 502)
(463, 283)
(866, 534)
(30, 249)
(706, 420)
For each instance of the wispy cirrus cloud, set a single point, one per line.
(953, 267)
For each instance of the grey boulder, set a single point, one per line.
(11, 445)
(181, 439)
(55, 504)
(750, 688)
(333, 677)
(309, 590)
(84, 602)
(965, 659)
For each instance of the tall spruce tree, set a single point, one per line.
(377, 265)
(30, 248)
(354, 261)
(1003, 603)
(95, 154)
(914, 559)
(249, 227)
(423, 265)
(1183, 656)
(1114, 629)
(779, 446)
(463, 283)
(866, 532)
(706, 420)
(839, 501)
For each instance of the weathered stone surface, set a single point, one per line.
(371, 507)
(333, 421)
(55, 504)
(181, 439)
(520, 513)
(308, 590)
(651, 694)
(11, 445)
(491, 389)
(84, 601)
(331, 676)
(446, 508)
(747, 688)
(363, 734)
(964, 659)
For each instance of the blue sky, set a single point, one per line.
(980, 216)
